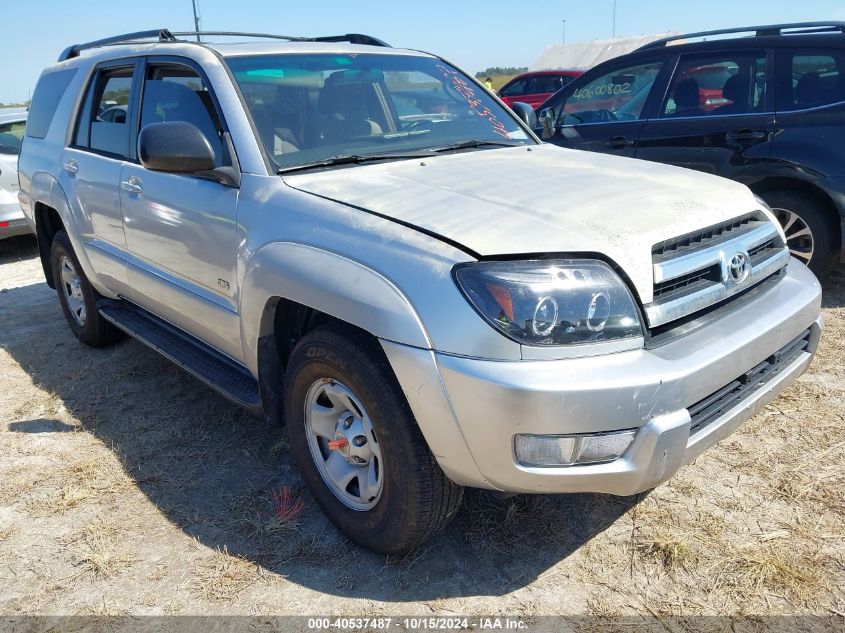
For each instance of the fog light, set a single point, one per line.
(604, 448)
(569, 450)
(545, 450)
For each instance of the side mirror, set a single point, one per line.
(547, 118)
(526, 113)
(175, 146)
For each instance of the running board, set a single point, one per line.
(210, 366)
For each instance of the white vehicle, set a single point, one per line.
(12, 221)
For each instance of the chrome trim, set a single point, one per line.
(658, 313)
(715, 254)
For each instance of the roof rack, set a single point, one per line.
(797, 28)
(162, 35)
(352, 38)
(165, 35)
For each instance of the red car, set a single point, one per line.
(535, 87)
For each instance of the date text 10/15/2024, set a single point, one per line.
(418, 624)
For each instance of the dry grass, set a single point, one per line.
(127, 487)
(103, 548)
(221, 577)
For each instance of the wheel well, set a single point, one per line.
(792, 184)
(284, 323)
(47, 224)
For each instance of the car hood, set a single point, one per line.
(521, 201)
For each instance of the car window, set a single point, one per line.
(518, 87)
(11, 135)
(49, 91)
(816, 79)
(177, 93)
(545, 83)
(618, 95)
(103, 124)
(314, 107)
(715, 85)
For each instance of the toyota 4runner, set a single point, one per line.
(364, 243)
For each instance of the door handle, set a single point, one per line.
(71, 167)
(619, 142)
(747, 135)
(133, 185)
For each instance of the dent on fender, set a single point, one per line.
(330, 283)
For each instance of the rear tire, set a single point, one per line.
(808, 228)
(383, 488)
(77, 297)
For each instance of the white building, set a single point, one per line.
(584, 55)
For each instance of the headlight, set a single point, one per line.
(555, 302)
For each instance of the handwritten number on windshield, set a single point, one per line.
(476, 105)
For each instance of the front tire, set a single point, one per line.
(378, 481)
(77, 297)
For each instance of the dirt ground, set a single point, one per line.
(127, 487)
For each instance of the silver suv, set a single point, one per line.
(364, 243)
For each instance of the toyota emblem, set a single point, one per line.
(739, 267)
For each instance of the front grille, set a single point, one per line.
(711, 408)
(685, 282)
(695, 241)
(697, 271)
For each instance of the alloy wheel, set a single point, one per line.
(799, 236)
(343, 444)
(72, 288)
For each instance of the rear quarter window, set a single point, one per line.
(49, 91)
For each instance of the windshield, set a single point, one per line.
(316, 107)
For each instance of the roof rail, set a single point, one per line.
(352, 38)
(797, 28)
(162, 35)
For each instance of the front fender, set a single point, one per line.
(328, 282)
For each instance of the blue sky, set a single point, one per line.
(474, 34)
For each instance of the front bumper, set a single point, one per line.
(647, 389)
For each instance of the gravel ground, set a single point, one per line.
(127, 487)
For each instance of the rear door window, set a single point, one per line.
(104, 121)
(718, 84)
(810, 79)
(545, 83)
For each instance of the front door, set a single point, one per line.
(716, 117)
(603, 112)
(181, 229)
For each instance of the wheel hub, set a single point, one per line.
(351, 441)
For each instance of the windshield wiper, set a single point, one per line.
(352, 159)
(475, 143)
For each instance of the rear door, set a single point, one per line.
(180, 228)
(717, 116)
(91, 168)
(604, 110)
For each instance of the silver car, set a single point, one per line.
(12, 221)
(364, 243)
